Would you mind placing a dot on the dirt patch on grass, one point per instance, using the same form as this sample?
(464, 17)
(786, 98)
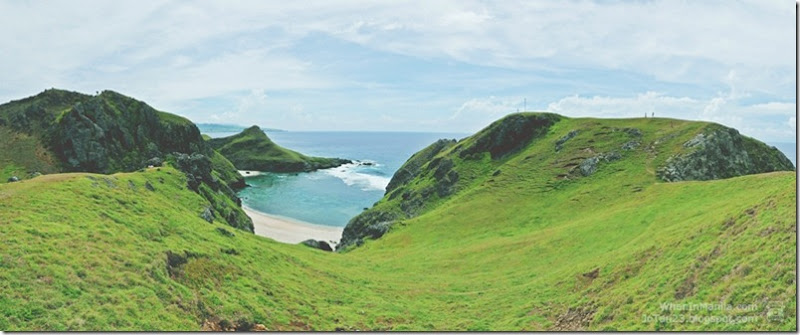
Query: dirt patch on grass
(574, 319)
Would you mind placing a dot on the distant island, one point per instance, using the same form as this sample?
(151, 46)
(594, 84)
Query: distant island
(229, 128)
(253, 150)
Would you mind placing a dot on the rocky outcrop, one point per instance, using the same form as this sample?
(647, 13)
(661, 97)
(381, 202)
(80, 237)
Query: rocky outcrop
(408, 202)
(200, 178)
(560, 142)
(588, 166)
(434, 174)
(110, 132)
(372, 223)
(411, 168)
(721, 152)
(509, 134)
(321, 245)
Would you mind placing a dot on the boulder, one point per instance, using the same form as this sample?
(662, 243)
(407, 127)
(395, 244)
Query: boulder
(207, 215)
(322, 245)
(13, 179)
(630, 145)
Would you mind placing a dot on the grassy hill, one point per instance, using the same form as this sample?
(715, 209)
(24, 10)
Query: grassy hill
(550, 153)
(534, 230)
(253, 150)
(63, 131)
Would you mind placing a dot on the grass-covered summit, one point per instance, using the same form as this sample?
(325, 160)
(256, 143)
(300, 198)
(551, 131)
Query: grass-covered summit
(63, 131)
(559, 152)
(568, 226)
(253, 150)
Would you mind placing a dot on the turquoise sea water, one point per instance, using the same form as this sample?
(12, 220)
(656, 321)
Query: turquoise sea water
(334, 196)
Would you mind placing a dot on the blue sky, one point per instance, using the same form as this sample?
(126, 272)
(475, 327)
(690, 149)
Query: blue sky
(414, 65)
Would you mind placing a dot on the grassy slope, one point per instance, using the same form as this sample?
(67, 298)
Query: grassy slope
(22, 123)
(21, 154)
(253, 150)
(507, 252)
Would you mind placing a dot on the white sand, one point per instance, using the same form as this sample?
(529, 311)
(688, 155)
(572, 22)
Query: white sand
(287, 230)
(246, 173)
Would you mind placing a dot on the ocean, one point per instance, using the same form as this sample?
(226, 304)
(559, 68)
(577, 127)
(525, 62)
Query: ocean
(333, 196)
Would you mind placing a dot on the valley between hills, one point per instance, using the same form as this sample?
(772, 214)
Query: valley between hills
(117, 216)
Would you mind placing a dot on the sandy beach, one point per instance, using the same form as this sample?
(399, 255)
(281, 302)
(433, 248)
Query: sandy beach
(291, 231)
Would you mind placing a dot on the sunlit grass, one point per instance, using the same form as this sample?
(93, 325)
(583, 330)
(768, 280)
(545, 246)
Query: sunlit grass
(507, 252)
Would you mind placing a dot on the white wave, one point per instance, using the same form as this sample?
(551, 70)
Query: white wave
(351, 177)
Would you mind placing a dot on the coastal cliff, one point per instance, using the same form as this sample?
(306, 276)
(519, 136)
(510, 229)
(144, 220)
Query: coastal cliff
(664, 150)
(544, 223)
(110, 132)
(253, 150)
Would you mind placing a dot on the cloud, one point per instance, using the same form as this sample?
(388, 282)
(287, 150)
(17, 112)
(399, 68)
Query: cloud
(409, 60)
(766, 121)
(488, 107)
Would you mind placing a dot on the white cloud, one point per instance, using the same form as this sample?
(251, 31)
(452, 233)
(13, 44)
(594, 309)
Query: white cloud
(644, 103)
(175, 54)
(490, 107)
(749, 119)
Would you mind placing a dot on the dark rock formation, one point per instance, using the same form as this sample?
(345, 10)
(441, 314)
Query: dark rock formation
(109, 133)
(435, 175)
(207, 215)
(509, 134)
(200, 178)
(411, 168)
(13, 179)
(631, 145)
(560, 142)
(321, 245)
(721, 152)
(369, 224)
(588, 166)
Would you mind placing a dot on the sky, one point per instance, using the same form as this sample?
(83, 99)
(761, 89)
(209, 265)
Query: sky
(437, 65)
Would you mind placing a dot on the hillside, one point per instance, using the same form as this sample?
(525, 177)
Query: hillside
(525, 227)
(564, 153)
(227, 128)
(253, 150)
(62, 131)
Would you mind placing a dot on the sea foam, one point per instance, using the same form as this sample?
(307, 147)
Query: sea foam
(352, 174)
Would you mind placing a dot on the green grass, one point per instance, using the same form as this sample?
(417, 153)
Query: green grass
(253, 150)
(22, 154)
(506, 252)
